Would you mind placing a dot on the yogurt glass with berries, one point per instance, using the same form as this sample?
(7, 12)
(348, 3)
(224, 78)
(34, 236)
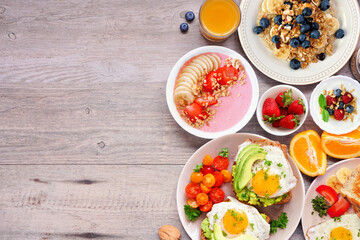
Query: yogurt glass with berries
(340, 100)
(230, 112)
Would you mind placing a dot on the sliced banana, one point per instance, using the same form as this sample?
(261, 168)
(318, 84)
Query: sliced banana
(218, 59)
(202, 64)
(192, 70)
(332, 24)
(214, 62)
(320, 42)
(185, 84)
(188, 77)
(282, 52)
(274, 5)
(333, 182)
(207, 62)
(184, 98)
(342, 174)
(264, 6)
(199, 67)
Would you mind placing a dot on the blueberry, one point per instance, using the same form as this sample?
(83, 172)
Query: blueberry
(304, 1)
(307, 11)
(275, 39)
(264, 23)
(331, 111)
(315, 26)
(300, 19)
(305, 28)
(289, 3)
(337, 92)
(305, 44)
(189, 16)
(302, 37)
(184, 27)
(258, 29)
(295, 64)
(278, 20)
(349, 108)
(324, 5)
(321, 56)
(339, 33)
(294, 42)
(341, 105)
(315, 34)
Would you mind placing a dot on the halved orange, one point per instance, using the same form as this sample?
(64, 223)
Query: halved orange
(341, 146)
(306, 151)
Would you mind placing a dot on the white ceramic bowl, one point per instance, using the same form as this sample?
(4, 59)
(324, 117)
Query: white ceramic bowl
(333, 126)
(250, 109)
(272, 93)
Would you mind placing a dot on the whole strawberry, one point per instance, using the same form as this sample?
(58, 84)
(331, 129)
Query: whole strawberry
(290, 122)
(297, 107)
(276, 124)
(284, 99)
(270, 110)
(339, 114)
(348, 97)
(283, 111)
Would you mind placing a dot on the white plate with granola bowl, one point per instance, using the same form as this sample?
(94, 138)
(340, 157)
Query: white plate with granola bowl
(328, 88)
(293, 209)
(310, 217)
(212, 91)
(317, 55)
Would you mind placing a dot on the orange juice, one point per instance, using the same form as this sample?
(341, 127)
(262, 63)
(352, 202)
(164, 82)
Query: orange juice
(219, 19)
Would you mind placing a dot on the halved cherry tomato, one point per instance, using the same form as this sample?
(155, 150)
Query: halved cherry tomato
(202, 198)
(207, 207)
(217, 195)
(227, 74)
(194, 111)
(226, 174)
(210, 81)
(192, 189)
(204, 188)
(219, 179)
(339, 208)
(209, 180)
(328, 193)
(207, 100)
(221, 163)
(192, 203)
(207, 169)
(207, 161)
(196, 177)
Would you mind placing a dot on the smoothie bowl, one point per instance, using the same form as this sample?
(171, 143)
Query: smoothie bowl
(212, 91)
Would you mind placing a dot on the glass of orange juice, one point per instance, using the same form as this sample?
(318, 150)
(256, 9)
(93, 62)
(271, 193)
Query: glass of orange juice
(219, 19)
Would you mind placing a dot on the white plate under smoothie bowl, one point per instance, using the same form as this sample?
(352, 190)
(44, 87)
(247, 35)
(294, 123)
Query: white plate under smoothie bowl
(348, 14)
(293, 208)
(233, 112)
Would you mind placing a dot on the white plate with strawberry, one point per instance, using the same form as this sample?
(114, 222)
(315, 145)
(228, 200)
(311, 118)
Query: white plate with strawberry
(282, 110)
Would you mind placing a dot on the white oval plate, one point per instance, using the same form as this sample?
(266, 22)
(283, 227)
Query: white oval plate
(349, 17)
(293, 209)
(171, 84)
(334, 126)
(308, 219)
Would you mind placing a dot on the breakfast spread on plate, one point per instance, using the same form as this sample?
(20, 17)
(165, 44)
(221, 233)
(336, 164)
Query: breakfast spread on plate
(299, 31)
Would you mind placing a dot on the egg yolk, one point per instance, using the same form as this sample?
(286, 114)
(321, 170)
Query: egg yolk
(265, 184)
(340, 233)
(235, 222)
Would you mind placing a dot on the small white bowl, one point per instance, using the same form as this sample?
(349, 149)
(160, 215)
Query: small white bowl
(272, 93)
(334, 126)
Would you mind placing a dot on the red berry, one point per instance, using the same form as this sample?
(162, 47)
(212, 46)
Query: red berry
(270, 110)
(348, 97)
(276, 124)
(339, 114)
(284, 99)
(297, 107)
(283, 112)
(330, 100)
(289, 122)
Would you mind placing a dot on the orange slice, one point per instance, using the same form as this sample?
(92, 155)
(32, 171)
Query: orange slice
(306, 151)
(341, 146)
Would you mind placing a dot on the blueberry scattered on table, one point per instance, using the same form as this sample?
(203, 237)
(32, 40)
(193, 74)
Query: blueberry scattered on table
(184, 27)
(302, 37)
(337, 92)
(189, 16)
(339, 33)
(315, 26)
(300, 19)
(315, 34)
(305, 44)
(258, 29)
(275, 39)
(295, 64)
(294, 42)
(324, 5)
(321, 56)
(278, 20)
(341, 105)
(305, 28)
(331, 111)
(264, 23)
(307, 12)
(349, 108)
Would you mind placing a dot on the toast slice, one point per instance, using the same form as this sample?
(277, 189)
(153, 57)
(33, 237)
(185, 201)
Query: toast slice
(351, 189)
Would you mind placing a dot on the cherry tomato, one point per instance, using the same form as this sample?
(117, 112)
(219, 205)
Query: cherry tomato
(207, 207)
(227, 74)
(227, 175)
(204, 188)
(202, 198)
(207, 169)
(209, 180)
(219, 179)
(207, 161)
(217, 195)
(192, 203)
(192, 189)
(221, 163)
(196, 177)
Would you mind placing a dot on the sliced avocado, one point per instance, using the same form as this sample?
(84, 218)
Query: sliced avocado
(240, 161)
(219, 235)
(245, 173)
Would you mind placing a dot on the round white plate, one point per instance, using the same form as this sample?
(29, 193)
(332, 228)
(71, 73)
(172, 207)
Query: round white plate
(334, 126)
(171, 84)
(293, 209)
(308, 219)
(349, 17)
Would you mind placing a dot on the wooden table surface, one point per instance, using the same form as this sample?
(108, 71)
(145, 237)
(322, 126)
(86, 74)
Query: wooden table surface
(88, 148)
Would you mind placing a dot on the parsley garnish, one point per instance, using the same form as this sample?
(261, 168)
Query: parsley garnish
(359, 233)
(279, 165)
(192, 213)
(224, 152)
(267, 163)
(280, 223)
(252, 226)
(320, 206)
(197, 168)
(216, 217)
(224, 233)
(337, 219)
(266, 176)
